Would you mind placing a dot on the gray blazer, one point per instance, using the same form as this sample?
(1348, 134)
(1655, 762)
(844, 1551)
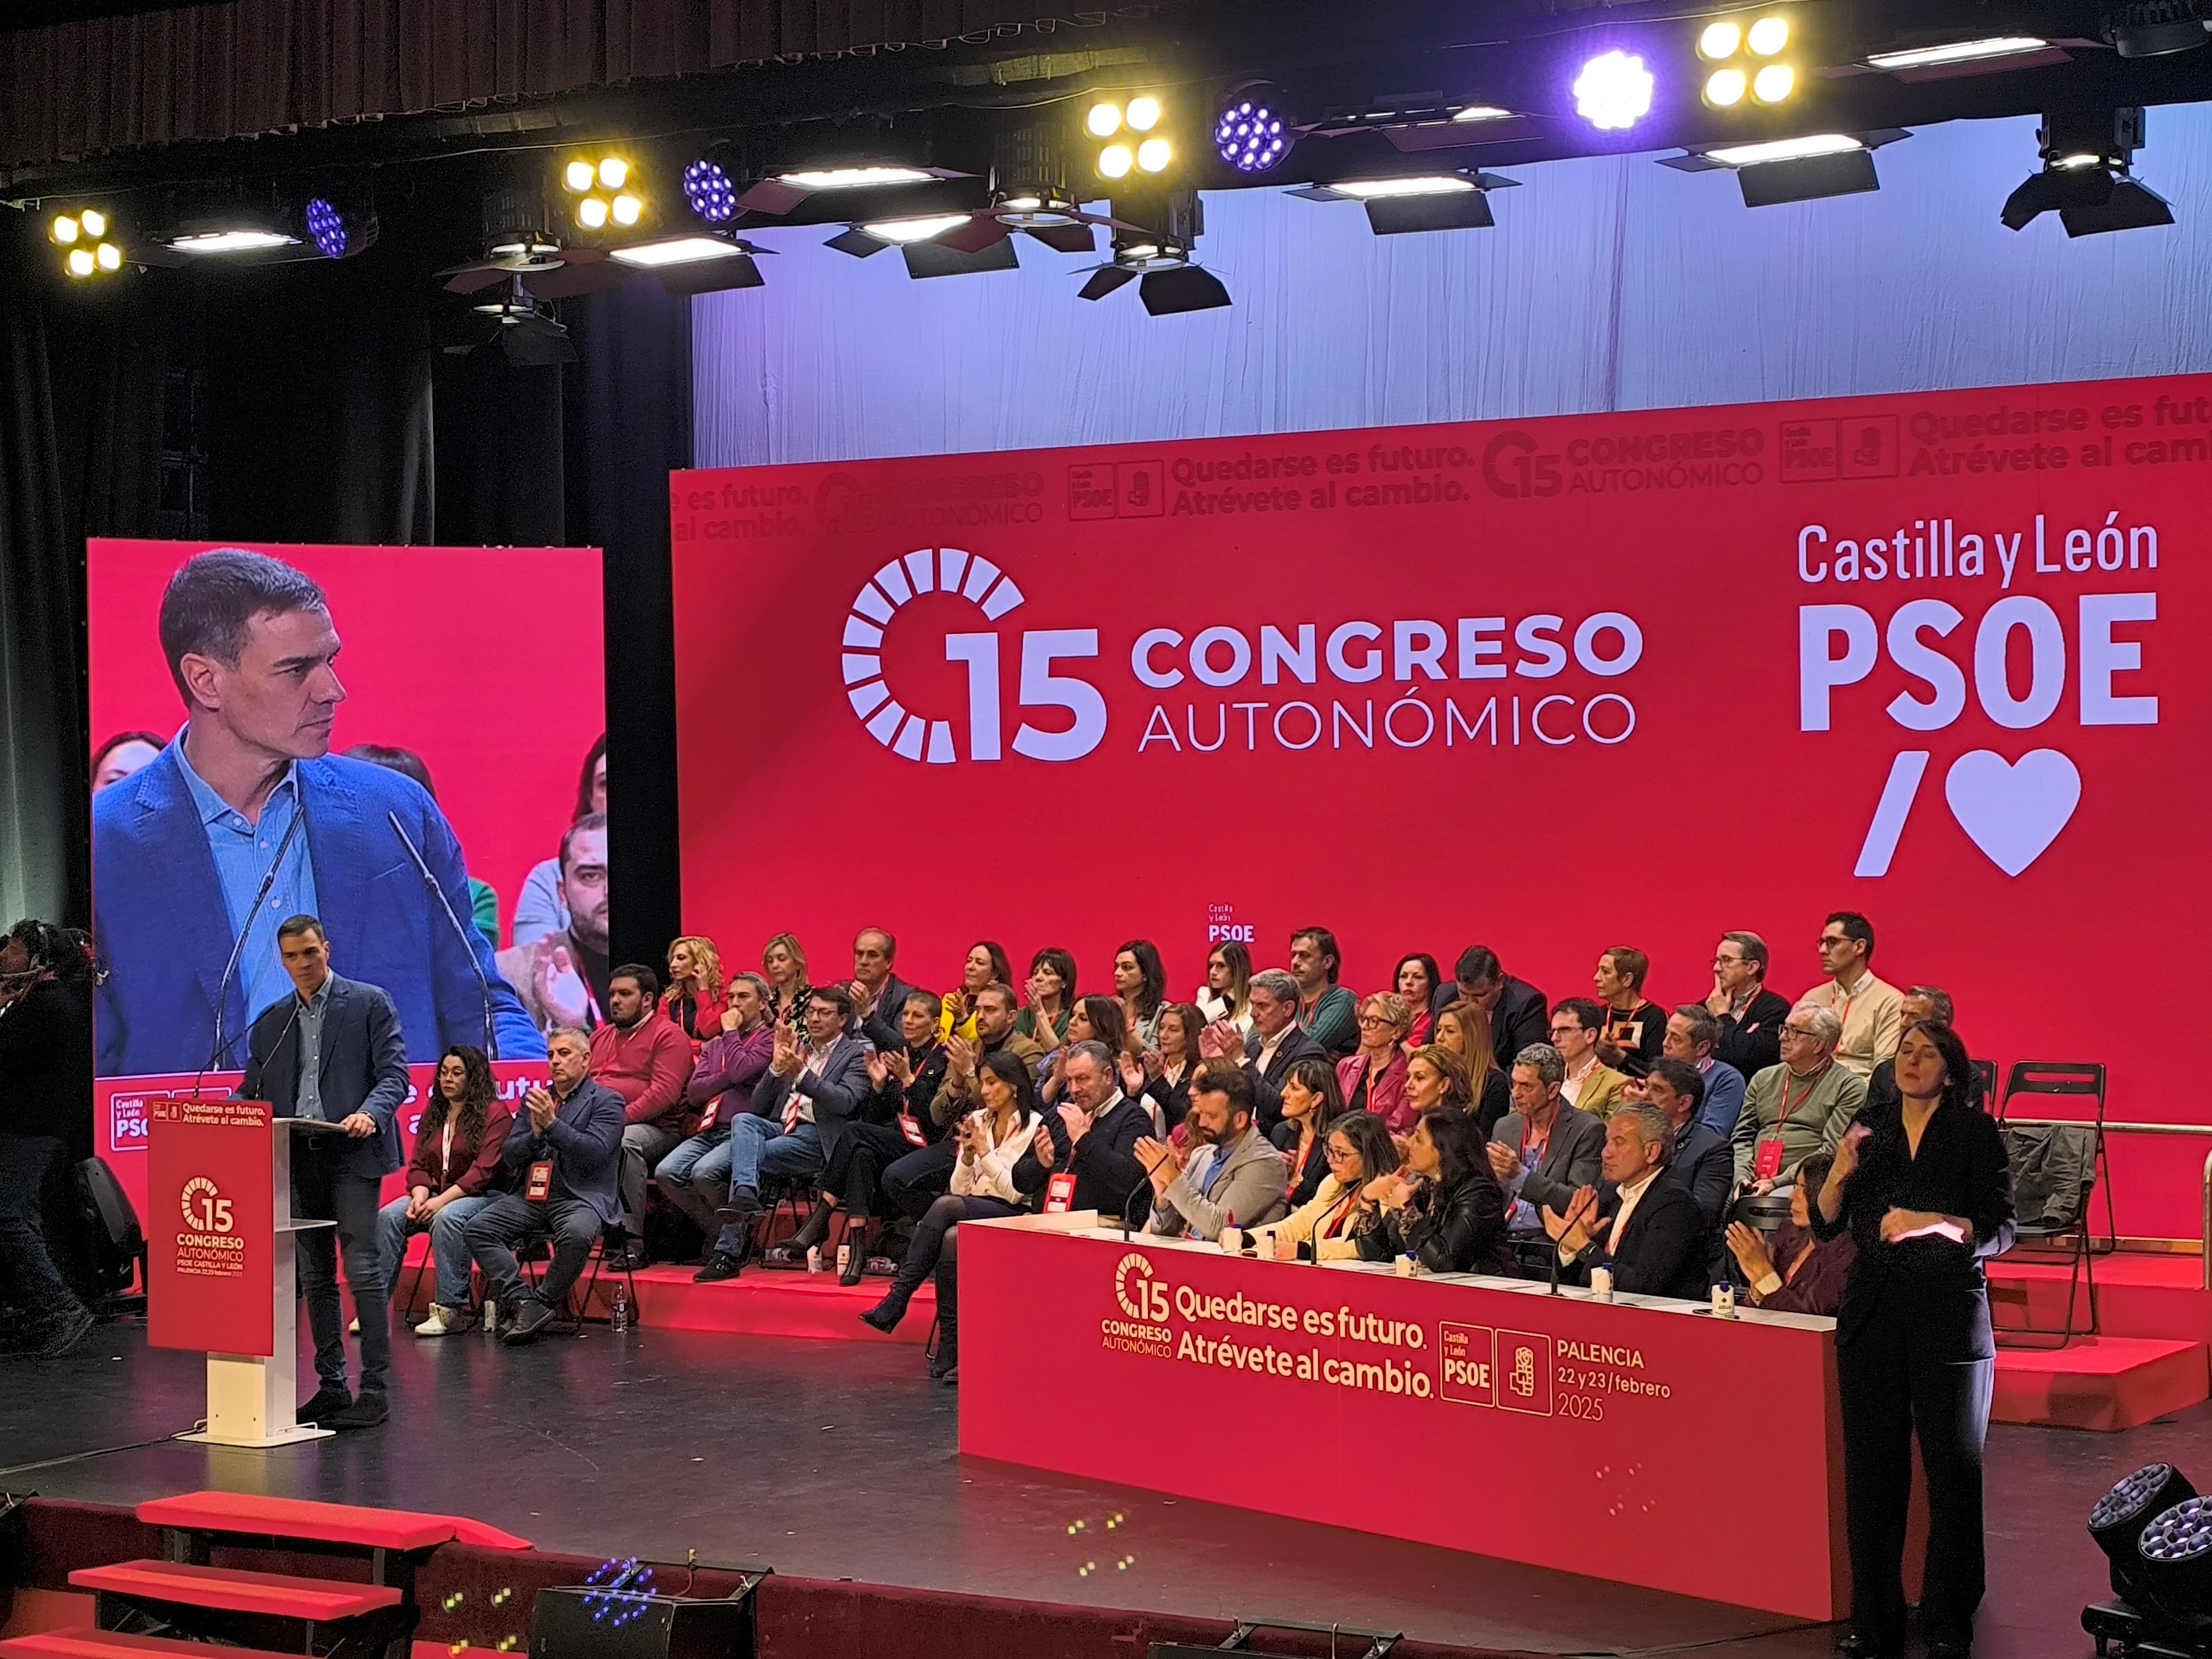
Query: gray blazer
(1254, 1188)
(1570, 1161)
(838, 1090)
(364, 1068)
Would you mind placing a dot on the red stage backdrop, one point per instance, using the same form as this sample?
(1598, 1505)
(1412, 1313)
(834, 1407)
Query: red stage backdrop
(1550, 685)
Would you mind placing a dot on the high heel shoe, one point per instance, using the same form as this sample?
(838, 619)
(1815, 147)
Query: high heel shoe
(886, 1314)
(854, 1244)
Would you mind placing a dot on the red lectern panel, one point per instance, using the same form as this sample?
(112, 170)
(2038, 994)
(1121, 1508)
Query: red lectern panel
(210, 1226)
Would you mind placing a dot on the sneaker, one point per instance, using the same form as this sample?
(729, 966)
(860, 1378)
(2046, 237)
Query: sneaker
(327, 1402)
(742, 1204)
(366, 1412)
(64, 1332)
(522, 1322)
(724, 1266)
(444, 1320)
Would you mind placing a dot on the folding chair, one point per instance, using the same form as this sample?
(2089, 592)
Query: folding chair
(2080, 1079)
(2044, 1165)
(1985, 1074)
(612, 1236)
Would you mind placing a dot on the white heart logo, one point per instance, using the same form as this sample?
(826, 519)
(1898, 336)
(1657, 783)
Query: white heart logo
(2012, 811)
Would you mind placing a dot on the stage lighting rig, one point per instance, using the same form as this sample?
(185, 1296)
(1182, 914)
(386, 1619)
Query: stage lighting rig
(1132, 136)
(340, 221)
(84, 238)
(1808, 168)
(605, 192)
(1945, 59)
(1401, 203)
(2086, 178)
(2157, 29)
(1169, 279)
(1748, 55)
(868, 178)
(1614, 91)
(1252, 132)
(697, 261)
(709, 191)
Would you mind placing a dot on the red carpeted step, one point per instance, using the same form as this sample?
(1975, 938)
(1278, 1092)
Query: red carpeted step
(296, 1517)
(2103, 1382)
(228, 1590)
(767, 1302)
(2138, 1294)
(89, 1643)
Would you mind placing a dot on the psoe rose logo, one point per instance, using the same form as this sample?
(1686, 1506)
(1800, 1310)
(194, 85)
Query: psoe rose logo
(206, 1210)
(1141, 1296)
(929, 738)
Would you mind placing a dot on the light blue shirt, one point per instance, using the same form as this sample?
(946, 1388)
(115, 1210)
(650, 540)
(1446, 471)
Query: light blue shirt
(242, 852)
(309, 1100)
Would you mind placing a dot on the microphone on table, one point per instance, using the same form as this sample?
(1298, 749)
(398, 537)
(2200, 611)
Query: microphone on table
(468, 942)
(238, 946)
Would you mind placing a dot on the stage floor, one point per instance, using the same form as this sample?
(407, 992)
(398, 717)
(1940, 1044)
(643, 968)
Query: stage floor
(838, 1460)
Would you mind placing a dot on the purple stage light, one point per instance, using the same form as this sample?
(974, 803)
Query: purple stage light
(1251, 136)
(326, 228)
(709, 191)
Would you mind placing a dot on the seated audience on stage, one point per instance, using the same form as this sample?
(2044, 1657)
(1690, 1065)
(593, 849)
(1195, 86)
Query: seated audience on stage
(1796, 1109)
(1169, 1067)
(1444, 1208)
(1793, 1272)
(561, 1156)
(1692, 1032)
(1519, 1017)
(1436, 1081)
(1051, 993)
(879, 995)
(1102, 1126)
(1275, 1045)
(1921, 1003)
(562, 974)
(459, 1145)
(1870, 1008)
(1222, 997)
(1543, 1149)
(541, 908)
(1644, 1227)
(1372, 1078)
(695, 1176)
(1748, 1015)
(484, 901)
(1464, 1029)
(1140, 986)
(1360, 1151)
(925, 1175)
(642, 1055)
(1592, 1085)
(1311, 1101)
(1634, 1027)
(895, 1120)
(986, 963)
(1093, 1019)
(1326, 1011)
(694, 997)
(813, 1081)
(988, 1143)
(783, 964)
(1700, 1161)
(1235, 1179)
(1418, 979)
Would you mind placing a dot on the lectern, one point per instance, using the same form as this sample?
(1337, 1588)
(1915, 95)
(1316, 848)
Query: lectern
(222, 1273)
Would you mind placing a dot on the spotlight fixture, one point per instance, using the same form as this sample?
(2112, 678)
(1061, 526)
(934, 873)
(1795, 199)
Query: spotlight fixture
(1409, 203)
(604, 193)
(1252, 134)
(2157, 29)
(340, 223)
(781, 193)
(1614, 91)
(2123, 1517)
(1808, 168)
(2085, 178)
(900, 232)
(241, 240)
(1136, 144)
(83, 236)
(1950, 57)
(709, 193)
(1472, 113)
(1170, 280)
(1744, 53)
(697, 261)
(921, 244)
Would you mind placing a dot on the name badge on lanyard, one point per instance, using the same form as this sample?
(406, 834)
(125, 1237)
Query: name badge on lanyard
(912, 1130)
(540, 1185)
(1768, 1162)
(1060, 1193)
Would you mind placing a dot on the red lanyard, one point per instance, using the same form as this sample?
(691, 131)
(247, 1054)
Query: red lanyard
(1811, 1087)
(1334, 1220)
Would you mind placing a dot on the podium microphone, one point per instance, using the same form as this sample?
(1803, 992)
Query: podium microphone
(238, 948)
(468, 943)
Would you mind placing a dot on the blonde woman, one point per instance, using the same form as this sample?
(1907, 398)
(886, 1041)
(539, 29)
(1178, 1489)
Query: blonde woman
(694, 997)
(783, 960)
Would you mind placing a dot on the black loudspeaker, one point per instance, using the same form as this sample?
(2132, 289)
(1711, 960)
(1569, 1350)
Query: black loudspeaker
(615, 1614)
(115, 1246)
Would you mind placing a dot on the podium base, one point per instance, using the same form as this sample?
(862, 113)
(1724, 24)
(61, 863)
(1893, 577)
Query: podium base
(290, 1437)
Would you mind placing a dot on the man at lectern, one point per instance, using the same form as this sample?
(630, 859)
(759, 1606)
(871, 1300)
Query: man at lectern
(333, 1051)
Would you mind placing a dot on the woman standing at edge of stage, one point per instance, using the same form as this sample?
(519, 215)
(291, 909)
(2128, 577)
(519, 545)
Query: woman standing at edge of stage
(1925, 1190)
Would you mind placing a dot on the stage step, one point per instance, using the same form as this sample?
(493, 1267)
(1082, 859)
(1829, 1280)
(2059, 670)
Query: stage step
(89, 1644)
(2141, 1295)
(772, 1302)
(253, 1516)
(2101, 1382)
(228, 1590)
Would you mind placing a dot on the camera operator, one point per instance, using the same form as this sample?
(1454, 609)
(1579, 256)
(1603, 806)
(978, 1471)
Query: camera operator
(45, 1079)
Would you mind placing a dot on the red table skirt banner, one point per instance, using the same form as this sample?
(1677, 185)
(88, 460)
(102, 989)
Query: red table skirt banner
(210, 1221)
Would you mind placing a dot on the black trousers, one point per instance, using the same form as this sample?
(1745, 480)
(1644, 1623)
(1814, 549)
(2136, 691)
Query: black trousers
(856, 1171)
(922, 1177)
(1901, 1376)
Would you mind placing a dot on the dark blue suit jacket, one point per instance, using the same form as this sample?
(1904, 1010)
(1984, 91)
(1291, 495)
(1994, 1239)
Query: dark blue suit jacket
(364, 1068)
(585, 1143)
(160, 924)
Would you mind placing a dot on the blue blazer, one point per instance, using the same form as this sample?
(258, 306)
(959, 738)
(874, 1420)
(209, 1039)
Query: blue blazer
(839, 1092)
(364, 1068)
(585, 1143)
(159, 922)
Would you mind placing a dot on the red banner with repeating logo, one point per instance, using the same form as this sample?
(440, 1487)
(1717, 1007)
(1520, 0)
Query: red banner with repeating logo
(1547, 685)
(210, 1225)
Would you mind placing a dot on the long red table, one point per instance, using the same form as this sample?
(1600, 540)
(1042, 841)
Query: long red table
(1642, 1441)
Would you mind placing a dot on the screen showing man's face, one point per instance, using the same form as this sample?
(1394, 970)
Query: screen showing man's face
(584, 886)
(283, 696)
